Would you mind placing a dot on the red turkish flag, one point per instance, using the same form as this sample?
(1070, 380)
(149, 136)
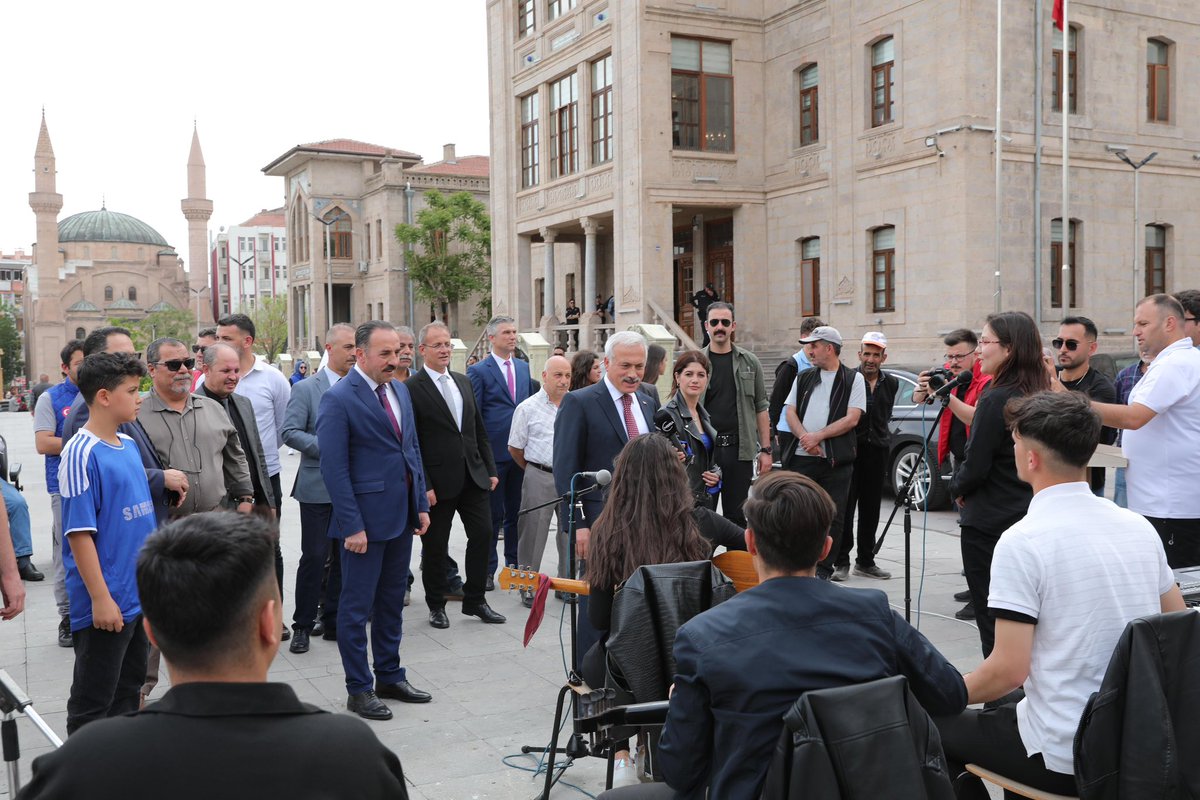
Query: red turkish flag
(1057, 14)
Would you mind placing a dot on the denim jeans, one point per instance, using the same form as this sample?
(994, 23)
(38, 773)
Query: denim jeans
(18, 520)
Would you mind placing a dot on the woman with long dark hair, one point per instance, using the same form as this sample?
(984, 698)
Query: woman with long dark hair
(692, 425)
(986, 483)
(585, 369)
(648, 518)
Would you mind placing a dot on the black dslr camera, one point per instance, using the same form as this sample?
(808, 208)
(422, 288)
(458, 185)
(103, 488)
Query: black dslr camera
(939, 377)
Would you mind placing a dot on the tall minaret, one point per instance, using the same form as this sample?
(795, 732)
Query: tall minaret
(197, 209)
(47, 334)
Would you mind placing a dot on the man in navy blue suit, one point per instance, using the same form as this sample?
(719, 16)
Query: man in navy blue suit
(371, 465)
(500, 382)
(726, 710)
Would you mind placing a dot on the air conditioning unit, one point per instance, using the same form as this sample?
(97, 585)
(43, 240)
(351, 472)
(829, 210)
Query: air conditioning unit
(362, 268)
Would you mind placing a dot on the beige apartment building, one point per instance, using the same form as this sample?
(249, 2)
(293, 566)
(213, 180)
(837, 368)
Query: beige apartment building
(356, 193)
(836, 157)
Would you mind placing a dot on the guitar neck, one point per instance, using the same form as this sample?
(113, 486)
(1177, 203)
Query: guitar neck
(570, 585)
(528, 581)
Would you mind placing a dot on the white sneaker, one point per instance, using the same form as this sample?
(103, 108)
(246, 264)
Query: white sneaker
(625, 773)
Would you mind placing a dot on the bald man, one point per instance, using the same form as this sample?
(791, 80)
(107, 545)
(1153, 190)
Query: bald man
(531, 443)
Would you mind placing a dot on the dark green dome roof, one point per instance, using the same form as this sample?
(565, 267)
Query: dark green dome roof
(108, 226)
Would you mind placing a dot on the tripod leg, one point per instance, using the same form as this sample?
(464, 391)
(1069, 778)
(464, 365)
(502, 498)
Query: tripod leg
(12, 752)
(558, 712)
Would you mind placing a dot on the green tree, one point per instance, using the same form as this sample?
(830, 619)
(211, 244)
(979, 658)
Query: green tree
(451, 259)
(271, 327)
(10, 342)
(176, 323)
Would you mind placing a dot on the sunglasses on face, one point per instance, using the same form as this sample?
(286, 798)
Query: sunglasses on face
(175, 363)
(720, 323)
(1071, 344)
(199, 349)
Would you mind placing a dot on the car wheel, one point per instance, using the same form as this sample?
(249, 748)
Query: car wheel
(927, 495)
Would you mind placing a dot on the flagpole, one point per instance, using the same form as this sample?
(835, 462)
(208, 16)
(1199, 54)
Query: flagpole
(999, 139)
(1065, 74)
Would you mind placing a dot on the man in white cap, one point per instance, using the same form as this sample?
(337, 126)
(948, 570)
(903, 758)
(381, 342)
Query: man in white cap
(823, 410)
(870, 464)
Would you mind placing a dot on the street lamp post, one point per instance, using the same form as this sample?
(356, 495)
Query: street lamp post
(1119, 152)
(328, 266)
(241, 277)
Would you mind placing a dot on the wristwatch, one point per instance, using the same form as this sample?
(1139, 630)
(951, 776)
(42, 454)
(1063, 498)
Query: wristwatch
(765, 450)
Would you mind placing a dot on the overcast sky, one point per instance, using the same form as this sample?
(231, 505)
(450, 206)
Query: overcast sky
(126, 79)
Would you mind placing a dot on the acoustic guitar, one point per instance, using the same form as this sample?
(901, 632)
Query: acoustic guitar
(528, 580)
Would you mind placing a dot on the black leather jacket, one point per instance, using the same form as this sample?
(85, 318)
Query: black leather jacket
(689, 434)
(1138, 735)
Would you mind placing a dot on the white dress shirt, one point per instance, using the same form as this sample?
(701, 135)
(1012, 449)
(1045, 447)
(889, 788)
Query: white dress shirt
(436, 377)
(389, 392)
(635, 406)
(331, 376)
(268, 391)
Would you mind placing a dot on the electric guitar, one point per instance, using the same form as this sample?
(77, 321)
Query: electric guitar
(526, 579)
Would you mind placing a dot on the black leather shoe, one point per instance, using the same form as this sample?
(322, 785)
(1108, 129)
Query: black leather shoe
(490, 586)
(527, 599)
(368, 706)
(330, 633)
(28, 571)
(285, 634)
(963, 596)
(299, 641)
(403, 691)
(966, 612)
(318, 628)
(485, 613)
(438, 619)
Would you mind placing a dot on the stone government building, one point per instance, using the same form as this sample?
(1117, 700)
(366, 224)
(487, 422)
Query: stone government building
(101, 264)
(836, 158)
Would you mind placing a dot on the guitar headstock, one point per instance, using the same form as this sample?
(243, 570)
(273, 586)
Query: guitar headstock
(523, 578)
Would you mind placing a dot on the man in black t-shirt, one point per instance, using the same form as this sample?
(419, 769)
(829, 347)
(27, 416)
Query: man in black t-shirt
(1075, 346)
(736, 401)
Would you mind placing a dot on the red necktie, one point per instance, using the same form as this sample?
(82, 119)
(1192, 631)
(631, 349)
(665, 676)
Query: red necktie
(381, 390)
(631, 428)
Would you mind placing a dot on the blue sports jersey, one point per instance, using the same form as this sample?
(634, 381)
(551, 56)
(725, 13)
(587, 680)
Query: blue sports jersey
(104, 491)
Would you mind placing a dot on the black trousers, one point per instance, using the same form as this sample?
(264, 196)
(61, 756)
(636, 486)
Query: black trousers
(866, 492)
(473, 508)
(110, 669)
(977, 546)
(835, 481)
(316, 549)
(277, 490)
(1181, 540)
(989, 738)
(735, 482)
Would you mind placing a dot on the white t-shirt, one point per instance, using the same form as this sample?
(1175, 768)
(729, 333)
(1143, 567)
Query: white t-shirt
(1083, 568)
(1164, 455)
(816, 414)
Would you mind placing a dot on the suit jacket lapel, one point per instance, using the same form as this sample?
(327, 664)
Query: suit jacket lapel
(371, 400)
(609, 409)
(435, 394)
(498, 375)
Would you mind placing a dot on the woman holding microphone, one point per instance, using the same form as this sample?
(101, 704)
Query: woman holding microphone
(985, 484)
(692, 427)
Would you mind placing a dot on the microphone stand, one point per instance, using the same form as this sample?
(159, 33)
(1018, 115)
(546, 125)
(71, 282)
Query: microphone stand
(577, 746)
(904, 498)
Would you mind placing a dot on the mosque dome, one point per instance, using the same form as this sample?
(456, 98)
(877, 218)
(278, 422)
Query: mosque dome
(108, 226)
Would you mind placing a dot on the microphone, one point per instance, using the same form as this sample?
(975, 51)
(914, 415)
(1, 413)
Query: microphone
(962, 379)
(601, 476)
(664, 423)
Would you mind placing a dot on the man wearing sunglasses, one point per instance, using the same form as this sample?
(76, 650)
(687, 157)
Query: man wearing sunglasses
(203, 339)
(1074, 347)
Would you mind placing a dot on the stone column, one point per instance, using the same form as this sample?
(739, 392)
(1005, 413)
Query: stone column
(590, 229)
(523, 291)
(548, 236)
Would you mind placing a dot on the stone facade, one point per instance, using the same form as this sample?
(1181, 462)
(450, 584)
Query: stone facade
(250, 260)
(363, 191)
(915, 192)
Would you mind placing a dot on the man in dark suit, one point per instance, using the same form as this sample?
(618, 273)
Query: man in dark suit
(726, 711)
(501, 381)
(459, 473)
(210, 600)
(595, 422)
(300, 432)
(371, 465)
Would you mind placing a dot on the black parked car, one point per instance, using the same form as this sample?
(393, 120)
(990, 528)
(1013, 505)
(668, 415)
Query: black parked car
(909, 425)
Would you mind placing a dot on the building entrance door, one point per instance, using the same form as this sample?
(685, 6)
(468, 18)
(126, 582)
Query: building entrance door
(685, 313)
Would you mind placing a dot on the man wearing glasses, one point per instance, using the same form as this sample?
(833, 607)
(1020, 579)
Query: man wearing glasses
(1190, 300)
(203, 339)
(736, 400)
(1075, 346)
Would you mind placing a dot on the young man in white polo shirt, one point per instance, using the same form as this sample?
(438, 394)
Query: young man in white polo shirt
(1066, 580)
(1162, 429)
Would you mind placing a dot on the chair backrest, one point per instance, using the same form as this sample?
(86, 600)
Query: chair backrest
(859, 742)
(738, 566)
(647, 612)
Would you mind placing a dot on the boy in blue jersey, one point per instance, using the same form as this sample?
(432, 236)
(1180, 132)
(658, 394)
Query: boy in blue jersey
(107, 515)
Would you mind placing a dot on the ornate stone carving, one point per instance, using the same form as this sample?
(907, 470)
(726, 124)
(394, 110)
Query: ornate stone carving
(881, 146)
(845, 287)
(529, 204)
(807, 164)
(701, 167)
(600, 182)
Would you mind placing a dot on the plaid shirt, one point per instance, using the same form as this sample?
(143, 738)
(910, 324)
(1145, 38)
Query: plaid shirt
(1126, 380)
(533, 428)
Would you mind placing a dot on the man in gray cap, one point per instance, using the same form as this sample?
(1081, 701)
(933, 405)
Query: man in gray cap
(823, 409)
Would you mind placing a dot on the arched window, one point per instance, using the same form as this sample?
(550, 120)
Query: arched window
(133, 293)
(810, 276)
(883, 269)
(809, 81)
(339, 233)
(108, 294)
(883, 81)
(1158, 80)
(1156, 259)
(1057, 262)
(1072, 69)
(80, 333)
